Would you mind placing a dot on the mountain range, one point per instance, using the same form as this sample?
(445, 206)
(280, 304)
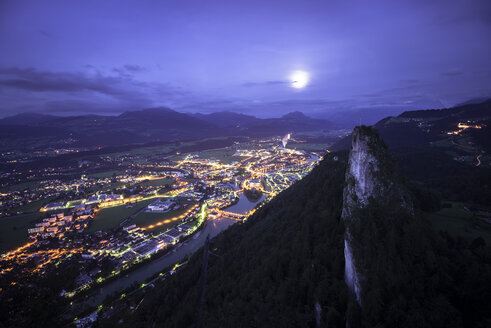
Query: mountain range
(30, 130)
(421, 128)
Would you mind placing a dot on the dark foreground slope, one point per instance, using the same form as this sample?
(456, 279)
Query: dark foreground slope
(284, 267)
(410, 276)
(270, 271)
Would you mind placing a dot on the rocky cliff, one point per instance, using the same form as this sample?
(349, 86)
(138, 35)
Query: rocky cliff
(285, 266)
(370, 181)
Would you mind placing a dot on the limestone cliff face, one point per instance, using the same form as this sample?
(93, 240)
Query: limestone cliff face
(351, 276)
(370, 180)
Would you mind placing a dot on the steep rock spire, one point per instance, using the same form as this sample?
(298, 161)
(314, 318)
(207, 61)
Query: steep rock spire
(370, 180)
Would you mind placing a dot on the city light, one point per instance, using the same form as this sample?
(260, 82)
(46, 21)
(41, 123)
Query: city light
(202, 189)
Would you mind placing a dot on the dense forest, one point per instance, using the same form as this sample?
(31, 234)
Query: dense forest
(270, 270)
(284, 267)
(411, 276)
(452, 180)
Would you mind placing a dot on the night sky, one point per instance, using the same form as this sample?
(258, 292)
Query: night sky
(106, 57)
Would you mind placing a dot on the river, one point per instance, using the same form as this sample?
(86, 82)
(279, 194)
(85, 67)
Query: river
(312, 158)
(180, 251)
(244, 205)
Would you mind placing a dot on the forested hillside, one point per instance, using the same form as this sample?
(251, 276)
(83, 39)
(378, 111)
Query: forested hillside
(284, 267)
(409, 275)
(271, 270)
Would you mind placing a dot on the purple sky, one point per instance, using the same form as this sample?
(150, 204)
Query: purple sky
(106, 57)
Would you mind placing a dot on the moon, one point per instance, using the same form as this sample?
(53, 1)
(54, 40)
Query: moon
(299, 79)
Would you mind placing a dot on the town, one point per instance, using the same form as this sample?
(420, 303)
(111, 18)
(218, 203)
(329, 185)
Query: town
(101, 226)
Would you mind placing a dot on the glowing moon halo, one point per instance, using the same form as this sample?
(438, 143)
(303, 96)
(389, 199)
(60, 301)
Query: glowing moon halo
(299, 79)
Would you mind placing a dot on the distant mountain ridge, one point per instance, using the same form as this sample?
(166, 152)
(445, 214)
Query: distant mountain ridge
(466, 110)
(422, 127)
(147, 125)
(296, 115)
(26, 119)
(474, 101)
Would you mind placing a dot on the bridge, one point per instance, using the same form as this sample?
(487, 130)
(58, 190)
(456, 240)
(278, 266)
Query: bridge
(232, 215)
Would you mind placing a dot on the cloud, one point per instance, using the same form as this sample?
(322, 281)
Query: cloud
(87, 107)
(41, 81)
(134, 68)
(128, 70)
(30, 79)
(266, 83)
(78, 92)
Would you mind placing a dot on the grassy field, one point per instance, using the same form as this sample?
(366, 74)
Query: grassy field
(156, 182)
(143, 154)
(460, 222)
(21, 186)
(109, 218)
(13, 230)
(32, 206)
(459, 146)
(223, 155)
(151, 151)
(104, 174)
(309, 146)
(147, 151)
(146, 219)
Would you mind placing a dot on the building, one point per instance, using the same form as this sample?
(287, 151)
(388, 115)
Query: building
(160, 206)
(174, 233)
(54, 206)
